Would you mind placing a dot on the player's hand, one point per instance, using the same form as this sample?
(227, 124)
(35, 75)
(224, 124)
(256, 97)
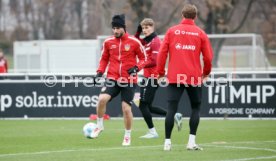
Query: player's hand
(205, 78)
(99, 75)
(139, 29)
(161, 79)
(133, 70)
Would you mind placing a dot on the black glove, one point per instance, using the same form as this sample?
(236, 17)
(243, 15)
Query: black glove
(98, 75)
(133, 70)
(139, 29)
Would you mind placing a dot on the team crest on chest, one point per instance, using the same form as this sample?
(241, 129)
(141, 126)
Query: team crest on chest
(127, 47)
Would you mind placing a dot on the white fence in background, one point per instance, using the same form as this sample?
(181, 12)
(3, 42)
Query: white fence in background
(237, 52)
(55, 56)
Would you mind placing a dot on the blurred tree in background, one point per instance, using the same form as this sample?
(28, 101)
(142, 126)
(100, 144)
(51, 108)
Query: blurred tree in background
(223, 16)
(23, 20)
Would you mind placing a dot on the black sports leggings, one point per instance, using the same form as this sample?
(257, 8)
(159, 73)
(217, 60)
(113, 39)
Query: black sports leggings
(147, 94)
(174, 95)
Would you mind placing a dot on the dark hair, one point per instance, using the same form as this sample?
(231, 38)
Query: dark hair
(189, 11)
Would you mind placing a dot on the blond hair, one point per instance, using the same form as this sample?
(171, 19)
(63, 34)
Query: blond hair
(147, 22)
(189, 11)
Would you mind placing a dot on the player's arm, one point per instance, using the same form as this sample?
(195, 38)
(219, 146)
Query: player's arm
(6, 65)
(142, 56)
(162, 56)
(207, 53)
(104, 59)
(152, 57)
(138, 33)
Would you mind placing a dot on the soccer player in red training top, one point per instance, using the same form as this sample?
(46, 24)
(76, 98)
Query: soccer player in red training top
(185, 42)
(120, 54)
(3, 63)
(149, 84)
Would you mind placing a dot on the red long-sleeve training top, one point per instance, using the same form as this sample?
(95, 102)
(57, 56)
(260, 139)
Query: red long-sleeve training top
(120, 54)
(185, 42)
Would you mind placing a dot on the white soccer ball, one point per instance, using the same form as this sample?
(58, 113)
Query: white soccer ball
(88, 129)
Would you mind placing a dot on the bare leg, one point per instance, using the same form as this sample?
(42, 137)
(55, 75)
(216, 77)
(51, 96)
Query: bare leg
(126, 108)
(101, 107)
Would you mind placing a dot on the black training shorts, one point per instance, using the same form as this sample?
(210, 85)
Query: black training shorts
(113, 88)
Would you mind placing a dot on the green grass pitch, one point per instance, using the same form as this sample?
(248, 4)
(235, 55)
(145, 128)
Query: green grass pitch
(62, 140)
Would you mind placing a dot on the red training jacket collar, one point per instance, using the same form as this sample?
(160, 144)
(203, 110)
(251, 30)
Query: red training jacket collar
(188, 21)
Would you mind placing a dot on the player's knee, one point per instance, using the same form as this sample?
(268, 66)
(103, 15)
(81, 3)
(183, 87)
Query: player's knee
(126, 108)
(196, 104)
(103, 99)
(173, 103)
(127, 112)
(151, 108)
(172, 108)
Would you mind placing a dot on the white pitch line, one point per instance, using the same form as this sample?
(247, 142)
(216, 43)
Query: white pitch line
(256, 158)
(243, 142)
(241, 147)
(250, 148)
(138, 147)
(78, 150)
